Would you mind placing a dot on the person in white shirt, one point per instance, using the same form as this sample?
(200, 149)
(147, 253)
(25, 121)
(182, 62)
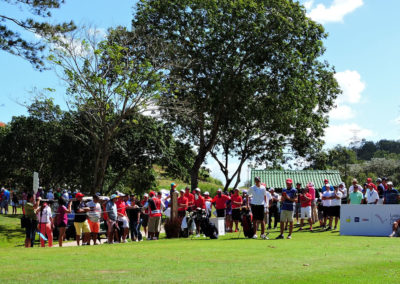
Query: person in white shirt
(355, 184)
(267, 205)
(46, 225)
(94, 216)
(65, 195)
(336, 202)
(371, 196)
(258, 195)
(327, 204)
(343, 190)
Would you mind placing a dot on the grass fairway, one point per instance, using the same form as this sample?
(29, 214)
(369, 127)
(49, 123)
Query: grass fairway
(323, 257)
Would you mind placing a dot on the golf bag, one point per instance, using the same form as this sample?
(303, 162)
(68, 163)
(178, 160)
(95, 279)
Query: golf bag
(206, 227)
(188, 225)
(247, 224)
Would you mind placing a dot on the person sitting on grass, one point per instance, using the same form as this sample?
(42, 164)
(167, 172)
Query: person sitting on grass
(289, 196)
(396, 229)
(61, 219)
(305, 212)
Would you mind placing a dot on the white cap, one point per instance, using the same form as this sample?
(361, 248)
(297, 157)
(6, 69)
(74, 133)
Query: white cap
(146, 195)
(244, 190)
(206, 193)
(219, 190)
(197, 189)
(272, 189)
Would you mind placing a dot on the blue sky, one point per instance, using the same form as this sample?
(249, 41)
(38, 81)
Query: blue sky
(363, 45)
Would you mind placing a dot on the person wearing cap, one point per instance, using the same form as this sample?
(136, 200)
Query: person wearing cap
(274, 208)
(156, 206)
(380, 189)
(355, 196)
(80, 222)
(326, 183)
(371, 195)
(50, 195)
(354, 185)
(94, 216)
(112, 216)
(289, 196)
(122, 218)
(145, 213)
(190, 198)
(391, 195)
(305, 211)
(327, 197)
(219, 202)
(200, 204)
(237, 202)
(343, 190)
(258, 195)
(208, 202)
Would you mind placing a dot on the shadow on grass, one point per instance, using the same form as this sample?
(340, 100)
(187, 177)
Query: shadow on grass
(17, 216)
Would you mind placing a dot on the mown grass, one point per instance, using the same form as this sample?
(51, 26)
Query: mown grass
(320, 257)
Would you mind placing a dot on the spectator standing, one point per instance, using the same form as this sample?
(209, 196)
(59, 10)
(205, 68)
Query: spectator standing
(57, 194)
(190, 198)
(122, 218)
(384, 182)
(305, 203)
(24, 198)
(65, 195)
(156, 207)
(336, 205)
(258, 194)
(112, 216)
(14, 202)
(273, 209)
(371, 196)
(208, 201)
(145, 213)
(61, 219)
(355, 197)
(183, 204)
(298, 203)
(343, 190)
(46, 224)
(94, 216)
(327, 197)
(237, 202)
(50, 195)
(5, 201)
(80, 222)
(289, 195)
(200, 204)
(31, 225)
(391, 195)
(220, 203)
(380, 189)
(134, 211)
(312, 192)
(354, 185)
(325, 187)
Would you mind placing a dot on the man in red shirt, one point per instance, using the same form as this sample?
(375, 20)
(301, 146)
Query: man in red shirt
(305, 202)
(182, 205)
(190, 198)
(220, 203)
(121, 211)
(237, 202)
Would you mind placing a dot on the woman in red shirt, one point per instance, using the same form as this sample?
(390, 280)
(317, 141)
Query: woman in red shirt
(220, 203)
(183, 204)
(237, 202)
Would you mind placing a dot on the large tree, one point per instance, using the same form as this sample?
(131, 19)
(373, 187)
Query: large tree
(109, 82)
(11, 26)
(222, 56)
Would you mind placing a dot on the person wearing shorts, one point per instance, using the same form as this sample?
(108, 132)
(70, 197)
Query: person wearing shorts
(94, 216)
(156, 207)
(289, 196)
(122, 218)
(31, 208)
(80, 222)
(145, 213)
(237, 201)
(62, 219)
(336, 202)
(220, 203)
(305, 210)
(258, 195)
(327, 197)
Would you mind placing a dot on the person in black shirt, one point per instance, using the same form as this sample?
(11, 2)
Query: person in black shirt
(80, 222)
(133, 212)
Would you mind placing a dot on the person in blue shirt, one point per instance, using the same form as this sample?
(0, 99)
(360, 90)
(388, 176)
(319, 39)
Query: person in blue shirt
(5, 201)
(391, 195)
(289, 196)
(323, 189)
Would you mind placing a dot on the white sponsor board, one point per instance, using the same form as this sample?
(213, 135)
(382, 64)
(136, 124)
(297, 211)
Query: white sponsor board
(368, 220)
(220, 224)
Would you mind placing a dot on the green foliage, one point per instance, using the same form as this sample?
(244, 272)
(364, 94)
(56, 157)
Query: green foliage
(229, 63)
(13, 42)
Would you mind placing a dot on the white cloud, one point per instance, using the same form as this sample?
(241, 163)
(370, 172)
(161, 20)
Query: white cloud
(342, 112)
(351, 85)
(396, 120)
(345, 133)
(334, 13)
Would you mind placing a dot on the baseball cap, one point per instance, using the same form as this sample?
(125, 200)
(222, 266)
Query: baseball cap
(236, 189)
(289, 180)
(106, 198)
(113, 196)
(152, 193)
(173, 185)
(326, 181)
(244, 190)
(145, 195)
(384, 178)
(198, 189)
(79, 194)
(182, 190)
(271, 189)
(378, 180)
(390, 183)
(206, 193)
(219, 190)
(257, 178)
(121, 194)
(369, 180)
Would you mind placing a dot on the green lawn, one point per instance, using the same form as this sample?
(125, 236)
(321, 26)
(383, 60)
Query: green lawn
(320, 257)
